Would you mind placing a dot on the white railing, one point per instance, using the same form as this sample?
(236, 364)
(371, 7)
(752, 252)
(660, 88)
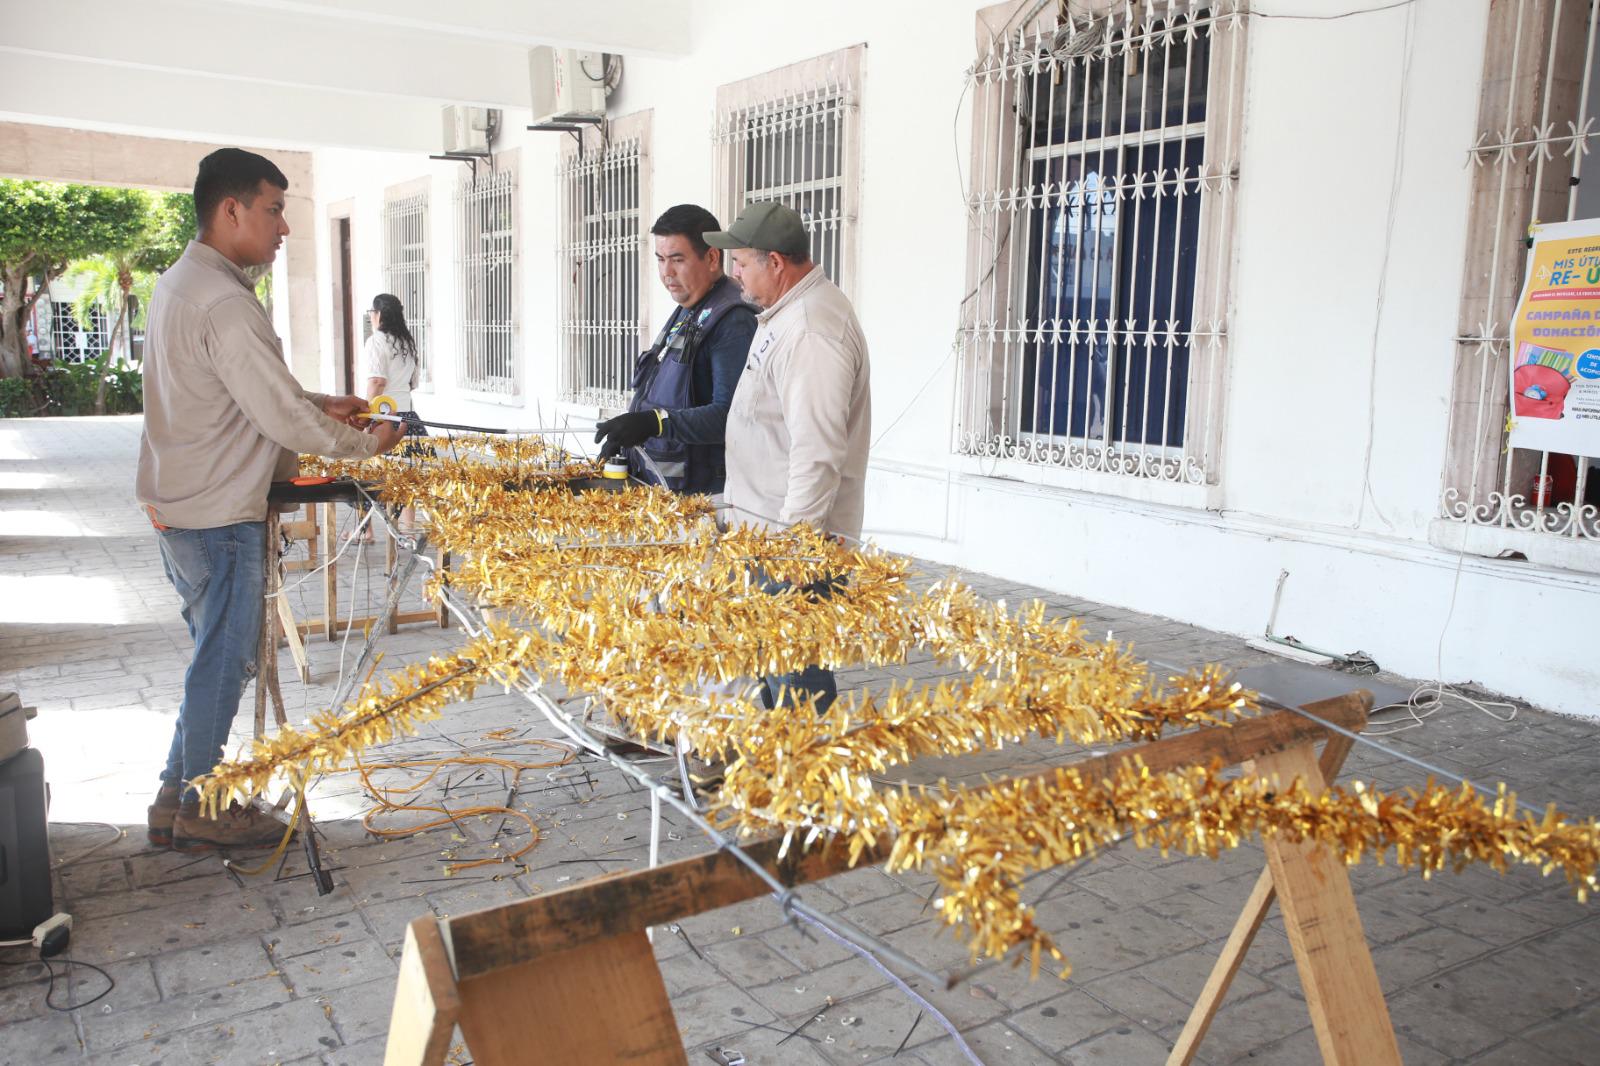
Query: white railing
(405, 267)
(1528, 157)
(794, 147)
(599, 258)
(1103, 173)
(486, 287)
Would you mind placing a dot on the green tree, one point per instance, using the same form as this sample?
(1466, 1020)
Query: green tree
(111, 280)
(44, 226)
(170, 227)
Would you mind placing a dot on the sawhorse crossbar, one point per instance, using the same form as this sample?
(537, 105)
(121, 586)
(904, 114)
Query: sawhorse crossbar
(525, 980)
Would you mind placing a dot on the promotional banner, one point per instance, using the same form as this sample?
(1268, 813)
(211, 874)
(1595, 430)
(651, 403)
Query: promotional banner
(1555, 343)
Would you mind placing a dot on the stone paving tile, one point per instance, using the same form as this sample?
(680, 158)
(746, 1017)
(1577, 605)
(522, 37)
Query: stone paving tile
(1567, 1040)
(1521, 1053)
(1071, 1018)
(361, 1012)
(997, 1042)
(209, 964)
(219, 965)
(336, 967)
(1124, 1044)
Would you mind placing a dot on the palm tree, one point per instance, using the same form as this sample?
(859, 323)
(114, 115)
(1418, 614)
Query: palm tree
(110, 280)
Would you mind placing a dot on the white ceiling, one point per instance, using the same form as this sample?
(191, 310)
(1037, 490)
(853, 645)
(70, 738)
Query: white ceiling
(299, 73)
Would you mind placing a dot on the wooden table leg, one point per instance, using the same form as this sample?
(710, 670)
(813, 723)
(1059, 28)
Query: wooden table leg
(330, 576)
(267, 645)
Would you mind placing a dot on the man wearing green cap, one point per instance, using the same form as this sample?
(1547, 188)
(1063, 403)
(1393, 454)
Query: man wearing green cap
(801, 419)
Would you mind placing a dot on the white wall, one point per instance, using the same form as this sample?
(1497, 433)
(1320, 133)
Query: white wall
(1353, 199)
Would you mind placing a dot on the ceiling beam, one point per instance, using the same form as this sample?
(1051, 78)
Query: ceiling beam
(284, 49)
(631, 27)
(95, 96)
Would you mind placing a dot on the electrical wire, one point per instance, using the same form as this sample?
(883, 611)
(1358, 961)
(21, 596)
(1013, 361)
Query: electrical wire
(1427, 700)
(495, 741)
(1331, 17)
(1408, 51)
(900, 983)
(50, 992)
(117, 834)
(345, 542)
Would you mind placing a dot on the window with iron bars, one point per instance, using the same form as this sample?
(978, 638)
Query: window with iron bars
(1103, 170)
(405, 267)
(486, 289)
(791, 135)
(600, 258)
(1536, 122)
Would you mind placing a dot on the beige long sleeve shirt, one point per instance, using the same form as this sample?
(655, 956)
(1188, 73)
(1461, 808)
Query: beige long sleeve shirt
(801, 421)
(223, 417)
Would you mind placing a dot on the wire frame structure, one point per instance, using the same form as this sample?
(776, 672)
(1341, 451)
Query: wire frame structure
(486, 288)
(1100, 213)
(1534, 132)
(600, 257)
(796, 146)
(405, 267)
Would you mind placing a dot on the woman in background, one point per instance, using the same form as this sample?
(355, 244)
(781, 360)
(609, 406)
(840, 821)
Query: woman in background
(393, 369)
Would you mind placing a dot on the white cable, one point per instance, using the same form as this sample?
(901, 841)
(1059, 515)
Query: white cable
(350, 621)
(1408, 49)
(1420, 706)
(117, 830)
(355, 534)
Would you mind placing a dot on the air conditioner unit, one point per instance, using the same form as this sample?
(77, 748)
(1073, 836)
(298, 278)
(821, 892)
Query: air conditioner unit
(467, 129)
(567, 84)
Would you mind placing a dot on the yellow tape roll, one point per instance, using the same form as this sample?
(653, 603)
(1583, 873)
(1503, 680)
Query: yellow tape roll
(383, 405)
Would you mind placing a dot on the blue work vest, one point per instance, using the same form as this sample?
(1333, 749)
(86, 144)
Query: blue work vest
(663, 378)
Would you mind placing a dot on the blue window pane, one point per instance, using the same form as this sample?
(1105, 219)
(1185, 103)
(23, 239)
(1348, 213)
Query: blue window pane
(1112, 268)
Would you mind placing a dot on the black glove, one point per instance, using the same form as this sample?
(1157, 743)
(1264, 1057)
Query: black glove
(626, 431)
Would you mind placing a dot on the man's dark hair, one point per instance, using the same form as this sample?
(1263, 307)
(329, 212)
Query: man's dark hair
(231, 172)
(687, 220)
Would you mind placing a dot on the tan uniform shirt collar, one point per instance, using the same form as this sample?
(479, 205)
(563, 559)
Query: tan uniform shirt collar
(217, 261)
(801, 287)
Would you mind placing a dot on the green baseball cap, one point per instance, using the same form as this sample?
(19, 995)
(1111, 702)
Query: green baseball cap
(767, 227)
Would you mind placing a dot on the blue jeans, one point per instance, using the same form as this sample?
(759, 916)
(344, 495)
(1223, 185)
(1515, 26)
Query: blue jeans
(786, 690)
(220, 576)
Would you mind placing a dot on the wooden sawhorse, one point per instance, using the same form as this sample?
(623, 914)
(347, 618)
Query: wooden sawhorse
(278, 621)
(569, 976)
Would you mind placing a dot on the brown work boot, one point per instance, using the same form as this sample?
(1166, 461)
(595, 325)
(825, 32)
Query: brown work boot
(159, 815)
(233, 827)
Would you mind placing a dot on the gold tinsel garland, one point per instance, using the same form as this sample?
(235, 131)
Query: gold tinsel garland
(638, 598)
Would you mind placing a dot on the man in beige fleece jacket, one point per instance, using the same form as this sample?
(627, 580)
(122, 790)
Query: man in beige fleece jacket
(801, 420)
(223, 419)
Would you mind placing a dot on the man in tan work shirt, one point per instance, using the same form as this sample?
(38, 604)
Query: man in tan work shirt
(800, 424)
(223, 419)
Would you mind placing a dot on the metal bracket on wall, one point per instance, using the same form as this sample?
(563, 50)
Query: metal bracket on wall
(461, 157)
(573, 125)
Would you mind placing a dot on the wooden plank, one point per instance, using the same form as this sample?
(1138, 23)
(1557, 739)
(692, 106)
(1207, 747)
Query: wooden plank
(1244, 933)
(364, 620)
(391, 556)
(441, 612)
(602, 1002)
(506, 935)
(291, 632)
(330, 576)
(1337, 976)
(425, 1001)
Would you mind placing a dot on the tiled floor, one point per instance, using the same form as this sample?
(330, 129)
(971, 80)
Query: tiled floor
(212, 966)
